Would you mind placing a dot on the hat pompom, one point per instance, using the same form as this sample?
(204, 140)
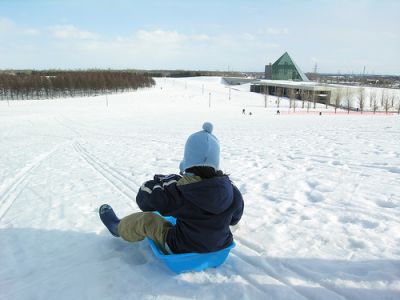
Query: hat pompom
(207, 126)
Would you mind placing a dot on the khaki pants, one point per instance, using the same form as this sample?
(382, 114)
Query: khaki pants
(137, 226)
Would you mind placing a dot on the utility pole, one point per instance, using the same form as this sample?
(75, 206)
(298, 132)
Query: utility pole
(316, 71)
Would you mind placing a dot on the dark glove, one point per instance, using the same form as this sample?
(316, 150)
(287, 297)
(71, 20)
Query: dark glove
(165, 178)
(149, 185)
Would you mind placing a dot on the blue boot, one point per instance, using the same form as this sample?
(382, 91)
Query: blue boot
(109, 219)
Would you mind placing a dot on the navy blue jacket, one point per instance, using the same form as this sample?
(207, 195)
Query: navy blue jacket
(203, 211)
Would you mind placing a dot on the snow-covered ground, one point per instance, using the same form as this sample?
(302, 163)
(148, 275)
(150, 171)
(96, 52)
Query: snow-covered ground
(322, 204)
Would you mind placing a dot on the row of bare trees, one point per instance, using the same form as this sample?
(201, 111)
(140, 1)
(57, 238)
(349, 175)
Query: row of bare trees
(345, 98)
(306, 96)
(387, 101)
(22, 86)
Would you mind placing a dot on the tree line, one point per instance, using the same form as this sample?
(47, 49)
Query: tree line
(350, 99)
(60, 84)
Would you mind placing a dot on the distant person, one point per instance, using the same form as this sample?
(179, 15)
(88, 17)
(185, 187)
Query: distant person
(278, 112)
(250, 113)
(202, 199)
(243, 111)
(320, 113)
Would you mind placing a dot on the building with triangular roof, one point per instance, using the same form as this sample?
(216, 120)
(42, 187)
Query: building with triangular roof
(284, 69)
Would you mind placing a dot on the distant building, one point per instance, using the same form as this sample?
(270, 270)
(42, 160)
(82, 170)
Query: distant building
(321, 93)
(268, 71)
(284, 69)
(284, 78)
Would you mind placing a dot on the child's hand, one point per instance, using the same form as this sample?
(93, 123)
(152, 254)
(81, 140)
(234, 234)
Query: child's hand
(159, 177)
(164, 178)
(159, 180)
(149, 185)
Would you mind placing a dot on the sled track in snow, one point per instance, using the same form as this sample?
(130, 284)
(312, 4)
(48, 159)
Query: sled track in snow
(269, 270)
(112, 176)
(303, 273)
(10, 193)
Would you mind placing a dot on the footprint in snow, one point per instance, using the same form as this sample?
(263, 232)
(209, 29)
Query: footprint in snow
(305, 218)
(336, 163)
(364, 223)
(312, 183)
(395, 170)
(315, 196)
(386, 204)
(272, 198)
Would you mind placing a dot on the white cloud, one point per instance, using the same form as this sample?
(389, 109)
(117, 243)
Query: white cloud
(72, 32)
(160, 37)
(269, 45)
(6, 25)
(274, 31)
(248, 36)
(30, 32)
(390, 35)
(10, 28)
(314, 59)
(201, 37)
(159, 48)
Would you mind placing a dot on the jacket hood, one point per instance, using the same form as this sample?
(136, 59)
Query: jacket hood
(213, 195)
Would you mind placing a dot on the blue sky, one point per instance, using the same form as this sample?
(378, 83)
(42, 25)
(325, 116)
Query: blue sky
(338, 36)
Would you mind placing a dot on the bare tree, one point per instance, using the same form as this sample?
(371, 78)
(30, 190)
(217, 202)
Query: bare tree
(361, 99)
(374, 104)
(265, 96)
(310, 96)
(292, 96)
(398, 104)
(386, 102)
(314, 98)
(372, 97)
(327, 99)
(338, 98)
(349, 100)
(392, 98)
(279, 94)
(294, 104)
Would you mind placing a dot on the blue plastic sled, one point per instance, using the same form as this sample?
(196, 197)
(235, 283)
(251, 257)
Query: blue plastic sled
(188, 262)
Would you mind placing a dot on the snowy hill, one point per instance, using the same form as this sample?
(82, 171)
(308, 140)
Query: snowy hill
(322, 204)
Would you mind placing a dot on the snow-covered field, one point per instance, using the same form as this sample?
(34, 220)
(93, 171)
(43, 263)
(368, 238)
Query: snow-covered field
(322, 204)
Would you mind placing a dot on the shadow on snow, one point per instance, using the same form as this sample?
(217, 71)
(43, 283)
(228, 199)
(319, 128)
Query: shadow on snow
(50, 264)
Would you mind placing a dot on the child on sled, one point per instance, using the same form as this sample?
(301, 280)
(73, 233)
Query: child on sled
(202, 199)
